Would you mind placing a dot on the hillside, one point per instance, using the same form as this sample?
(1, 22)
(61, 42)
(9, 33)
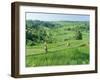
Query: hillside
(67, 43)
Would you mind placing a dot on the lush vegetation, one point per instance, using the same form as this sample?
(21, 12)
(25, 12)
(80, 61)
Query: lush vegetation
(57, 43)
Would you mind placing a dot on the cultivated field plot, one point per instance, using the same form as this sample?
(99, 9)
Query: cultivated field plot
(56, 39)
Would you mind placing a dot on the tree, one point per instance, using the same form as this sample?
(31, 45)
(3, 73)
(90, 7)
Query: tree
(43, 36)
(45, 39)
(78, 35)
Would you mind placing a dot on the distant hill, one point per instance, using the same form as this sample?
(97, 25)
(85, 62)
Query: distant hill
(53, 24)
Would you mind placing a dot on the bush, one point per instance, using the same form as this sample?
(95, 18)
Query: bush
(78, 35)
(30, 43)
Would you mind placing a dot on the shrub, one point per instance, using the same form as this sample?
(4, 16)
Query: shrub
(78, 35)
(30, 43)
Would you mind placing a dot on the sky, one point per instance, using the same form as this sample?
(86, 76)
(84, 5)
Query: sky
(56, 17)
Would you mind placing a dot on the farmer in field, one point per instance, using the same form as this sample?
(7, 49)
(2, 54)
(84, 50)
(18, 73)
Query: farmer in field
(45, 47)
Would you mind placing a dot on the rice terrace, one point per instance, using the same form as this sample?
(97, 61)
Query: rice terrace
(56, 39)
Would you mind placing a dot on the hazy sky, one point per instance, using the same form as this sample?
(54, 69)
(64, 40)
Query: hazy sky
(56, 17)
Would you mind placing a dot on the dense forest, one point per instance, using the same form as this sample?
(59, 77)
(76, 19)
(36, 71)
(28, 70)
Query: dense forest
(40, 31)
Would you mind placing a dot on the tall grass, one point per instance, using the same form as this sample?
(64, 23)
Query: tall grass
(70, 56)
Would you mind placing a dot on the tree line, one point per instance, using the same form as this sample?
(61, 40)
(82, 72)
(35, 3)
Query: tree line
(40, 31)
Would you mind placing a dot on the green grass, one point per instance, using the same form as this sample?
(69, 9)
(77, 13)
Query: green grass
(69, 56)
(58, 54)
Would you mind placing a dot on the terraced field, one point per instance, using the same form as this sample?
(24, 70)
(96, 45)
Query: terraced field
(65, 50)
